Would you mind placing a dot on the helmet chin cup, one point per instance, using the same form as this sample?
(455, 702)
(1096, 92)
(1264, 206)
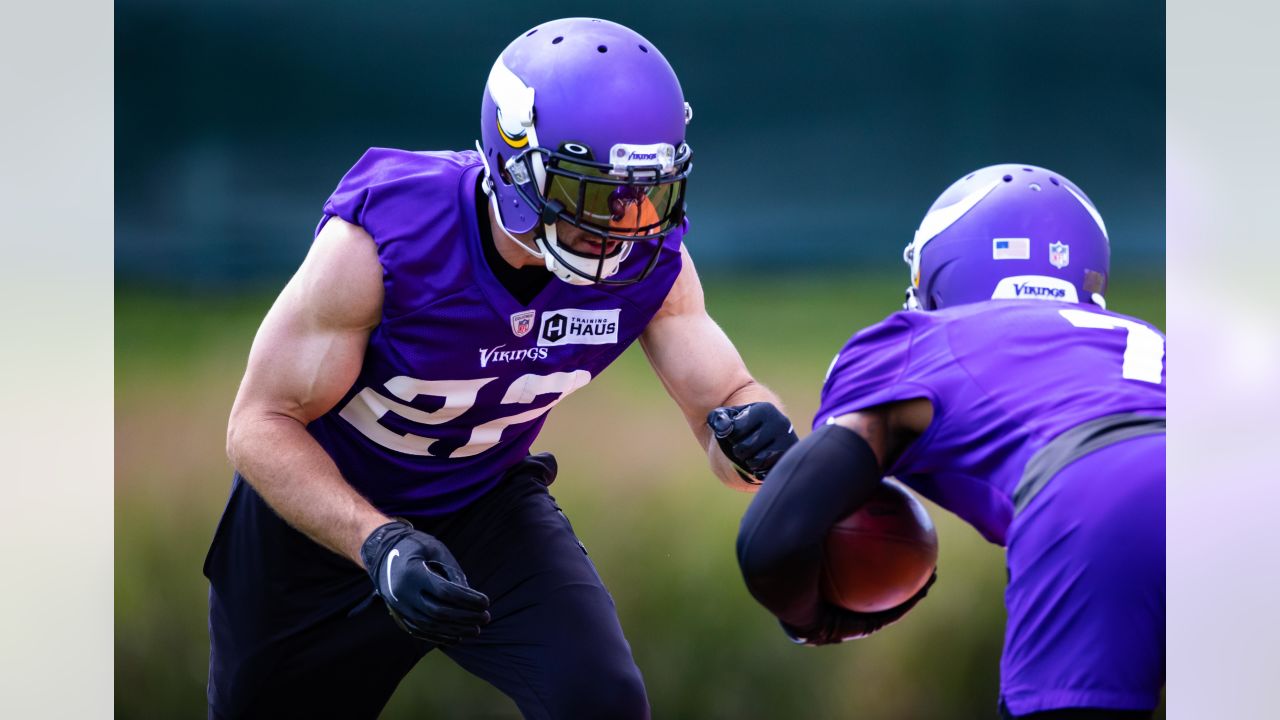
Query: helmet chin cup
(561, 272)
(571, 268)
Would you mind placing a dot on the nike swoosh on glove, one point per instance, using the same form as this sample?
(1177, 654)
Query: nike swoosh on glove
(425, 590)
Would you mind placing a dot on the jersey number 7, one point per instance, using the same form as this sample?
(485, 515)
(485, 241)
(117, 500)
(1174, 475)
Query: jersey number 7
(1143, 347)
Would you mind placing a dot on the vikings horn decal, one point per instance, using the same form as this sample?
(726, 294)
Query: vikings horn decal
(518, 140)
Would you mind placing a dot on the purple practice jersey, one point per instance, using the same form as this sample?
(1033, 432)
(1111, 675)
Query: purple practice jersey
(458, 376)
(1005, 377)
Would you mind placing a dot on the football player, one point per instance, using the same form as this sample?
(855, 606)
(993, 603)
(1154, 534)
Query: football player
(385, 501)
(1008, 394)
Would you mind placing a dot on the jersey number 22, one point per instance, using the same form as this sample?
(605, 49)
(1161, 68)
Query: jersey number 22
(368, 405)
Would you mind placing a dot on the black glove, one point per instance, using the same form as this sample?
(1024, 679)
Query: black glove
(752, 436)
(422, 585)
(835, 624)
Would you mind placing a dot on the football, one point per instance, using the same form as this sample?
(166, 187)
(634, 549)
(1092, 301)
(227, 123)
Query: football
(881, 554)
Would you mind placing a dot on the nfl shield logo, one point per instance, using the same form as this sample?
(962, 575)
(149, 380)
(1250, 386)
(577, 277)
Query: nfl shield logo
(522, 322)
(1059, 255)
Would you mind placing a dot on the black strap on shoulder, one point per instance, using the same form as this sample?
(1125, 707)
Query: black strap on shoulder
(1073, 444)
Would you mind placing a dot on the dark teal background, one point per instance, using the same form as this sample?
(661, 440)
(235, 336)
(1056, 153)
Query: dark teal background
(822, 130)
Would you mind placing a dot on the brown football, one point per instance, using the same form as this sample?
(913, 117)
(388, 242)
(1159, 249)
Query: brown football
(881, 554)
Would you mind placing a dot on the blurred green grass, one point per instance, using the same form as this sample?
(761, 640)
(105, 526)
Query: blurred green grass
(659, 527)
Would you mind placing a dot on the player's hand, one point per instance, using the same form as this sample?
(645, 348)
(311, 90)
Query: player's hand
(836, 625)
(752, 436)
(420, 581)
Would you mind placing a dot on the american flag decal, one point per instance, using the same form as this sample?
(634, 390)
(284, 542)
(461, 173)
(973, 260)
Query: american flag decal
(1011, 248)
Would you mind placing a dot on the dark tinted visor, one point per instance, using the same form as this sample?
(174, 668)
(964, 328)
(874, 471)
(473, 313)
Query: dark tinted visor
(645, 205)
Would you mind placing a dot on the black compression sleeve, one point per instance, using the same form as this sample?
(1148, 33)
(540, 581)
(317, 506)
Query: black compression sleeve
(819, 481)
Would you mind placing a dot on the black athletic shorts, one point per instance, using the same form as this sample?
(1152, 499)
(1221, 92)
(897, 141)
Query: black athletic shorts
(296, 630)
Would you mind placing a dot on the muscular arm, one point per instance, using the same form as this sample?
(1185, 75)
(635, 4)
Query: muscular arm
(307, 353)
(699, 366)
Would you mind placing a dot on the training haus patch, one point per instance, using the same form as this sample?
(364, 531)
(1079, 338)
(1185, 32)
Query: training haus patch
(578, 327)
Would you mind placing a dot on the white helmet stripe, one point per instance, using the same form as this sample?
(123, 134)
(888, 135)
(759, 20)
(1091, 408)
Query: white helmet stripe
(515, 113)
(935, 222)
(1092, 210)
(513, 98)
(942, 218)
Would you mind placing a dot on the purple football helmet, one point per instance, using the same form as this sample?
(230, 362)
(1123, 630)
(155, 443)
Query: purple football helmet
(1009, 231)
(583, 121)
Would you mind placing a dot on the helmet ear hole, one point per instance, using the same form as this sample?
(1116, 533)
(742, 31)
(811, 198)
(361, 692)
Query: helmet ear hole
(502, 170)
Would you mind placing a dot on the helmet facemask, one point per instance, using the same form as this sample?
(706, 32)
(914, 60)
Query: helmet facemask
(624, 206)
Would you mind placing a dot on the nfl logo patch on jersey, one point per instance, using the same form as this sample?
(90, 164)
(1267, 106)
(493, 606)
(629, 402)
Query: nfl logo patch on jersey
(522, 322)
(1059, 255)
